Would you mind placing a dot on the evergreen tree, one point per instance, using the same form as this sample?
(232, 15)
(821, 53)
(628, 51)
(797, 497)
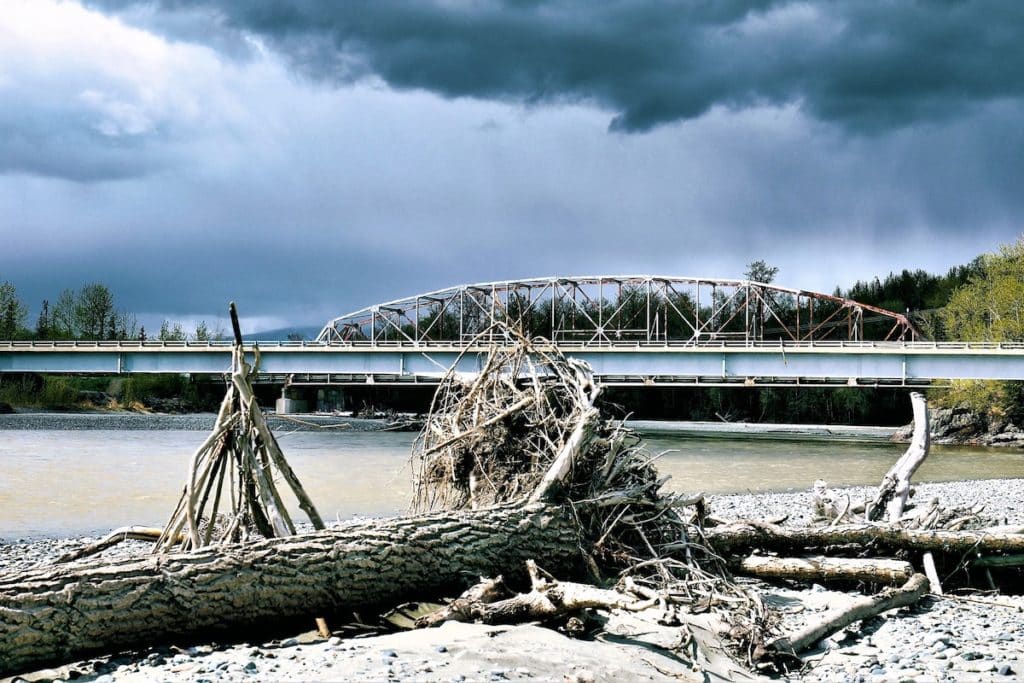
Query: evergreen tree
(43, 322)
(12, 312)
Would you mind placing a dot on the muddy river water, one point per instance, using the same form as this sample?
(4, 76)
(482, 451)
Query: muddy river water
(56, 483)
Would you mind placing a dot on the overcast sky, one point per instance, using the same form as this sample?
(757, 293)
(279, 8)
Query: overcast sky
(309, 158)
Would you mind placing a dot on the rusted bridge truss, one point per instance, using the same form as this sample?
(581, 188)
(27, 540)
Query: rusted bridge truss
(611, 310)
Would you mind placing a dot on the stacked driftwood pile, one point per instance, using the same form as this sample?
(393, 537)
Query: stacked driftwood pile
(518, 475)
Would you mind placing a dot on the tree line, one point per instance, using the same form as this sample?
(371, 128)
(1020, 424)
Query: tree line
(982, 300)
(89, 313)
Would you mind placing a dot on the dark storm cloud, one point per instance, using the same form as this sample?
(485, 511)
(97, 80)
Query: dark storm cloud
(49, 143)
(867, 66)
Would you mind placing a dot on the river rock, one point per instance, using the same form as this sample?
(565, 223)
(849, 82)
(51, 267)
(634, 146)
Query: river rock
(960, 425)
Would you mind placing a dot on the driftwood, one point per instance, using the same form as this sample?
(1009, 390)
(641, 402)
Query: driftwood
(235, 469)
(516, 465)
(862, 608)
(742, 537)
(71, 610)
(126, 533)
(895, 487)
(824, 569)
(548, 598)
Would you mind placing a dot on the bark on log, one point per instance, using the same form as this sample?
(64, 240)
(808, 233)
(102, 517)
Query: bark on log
(743, 537)
(67, 611)
(825, 569)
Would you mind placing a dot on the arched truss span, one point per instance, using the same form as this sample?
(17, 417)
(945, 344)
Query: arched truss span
(612, 309)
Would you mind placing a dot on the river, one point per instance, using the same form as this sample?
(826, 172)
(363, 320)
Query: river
(62, 483)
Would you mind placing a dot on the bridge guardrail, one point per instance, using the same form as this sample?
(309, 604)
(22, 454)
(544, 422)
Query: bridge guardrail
(568, 345)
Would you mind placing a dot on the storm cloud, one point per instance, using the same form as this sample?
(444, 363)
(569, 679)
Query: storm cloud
(866, 66)
(309, 158)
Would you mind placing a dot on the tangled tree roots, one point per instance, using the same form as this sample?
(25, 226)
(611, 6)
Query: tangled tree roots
(526, 427)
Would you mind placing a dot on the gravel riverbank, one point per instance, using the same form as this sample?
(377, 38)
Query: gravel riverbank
(969, 638)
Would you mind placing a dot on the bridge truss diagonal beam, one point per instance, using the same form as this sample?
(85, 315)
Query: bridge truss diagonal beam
(606, 309)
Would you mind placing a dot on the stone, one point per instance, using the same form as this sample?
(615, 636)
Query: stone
(1005, 670)
(441, 648)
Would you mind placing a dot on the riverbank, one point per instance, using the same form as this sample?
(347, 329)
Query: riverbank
(940, 639)
(118, 420)
(193, 422)
(761, 430)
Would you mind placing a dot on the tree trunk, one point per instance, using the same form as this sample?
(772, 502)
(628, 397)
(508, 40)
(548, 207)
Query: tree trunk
(67, 611)
(742, 537)
(824, 569)
(862, 608)
(895, 487)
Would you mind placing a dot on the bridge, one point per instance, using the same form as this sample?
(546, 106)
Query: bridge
(634, 330)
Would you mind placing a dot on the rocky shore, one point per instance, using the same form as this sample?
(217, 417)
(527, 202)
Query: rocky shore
(960, 426)
(954, 638)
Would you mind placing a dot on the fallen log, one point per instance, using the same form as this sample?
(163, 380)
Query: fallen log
(862, 608)
(70, 610)
(824, 569)
(745, 536)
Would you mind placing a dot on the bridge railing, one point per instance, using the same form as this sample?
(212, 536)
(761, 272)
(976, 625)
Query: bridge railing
(157, 346)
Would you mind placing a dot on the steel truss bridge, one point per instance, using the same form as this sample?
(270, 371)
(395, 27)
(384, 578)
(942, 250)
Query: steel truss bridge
(633, 330)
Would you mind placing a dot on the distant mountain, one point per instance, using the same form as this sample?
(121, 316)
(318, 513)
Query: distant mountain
(307, 333)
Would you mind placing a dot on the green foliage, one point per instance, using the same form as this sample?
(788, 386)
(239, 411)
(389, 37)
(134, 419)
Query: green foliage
(760, 271)
(12, 312)
(988, 307)
(171, 332)
(58, 392)
(95, 315)
(62, 317)
(39, 391)
(137, 388)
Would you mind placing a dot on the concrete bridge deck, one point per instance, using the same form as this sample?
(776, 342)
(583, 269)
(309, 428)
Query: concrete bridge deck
(854, 363)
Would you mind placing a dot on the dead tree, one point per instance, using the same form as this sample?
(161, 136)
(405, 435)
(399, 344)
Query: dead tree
(71, 610)
(895, 487)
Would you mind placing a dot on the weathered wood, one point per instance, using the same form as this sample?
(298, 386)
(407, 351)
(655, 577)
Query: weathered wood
(125, 533)
(895, 487)
(932, 573)
(862, 608)
(70, 610)
(825, 569)
(547, 599)
(743, 537)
